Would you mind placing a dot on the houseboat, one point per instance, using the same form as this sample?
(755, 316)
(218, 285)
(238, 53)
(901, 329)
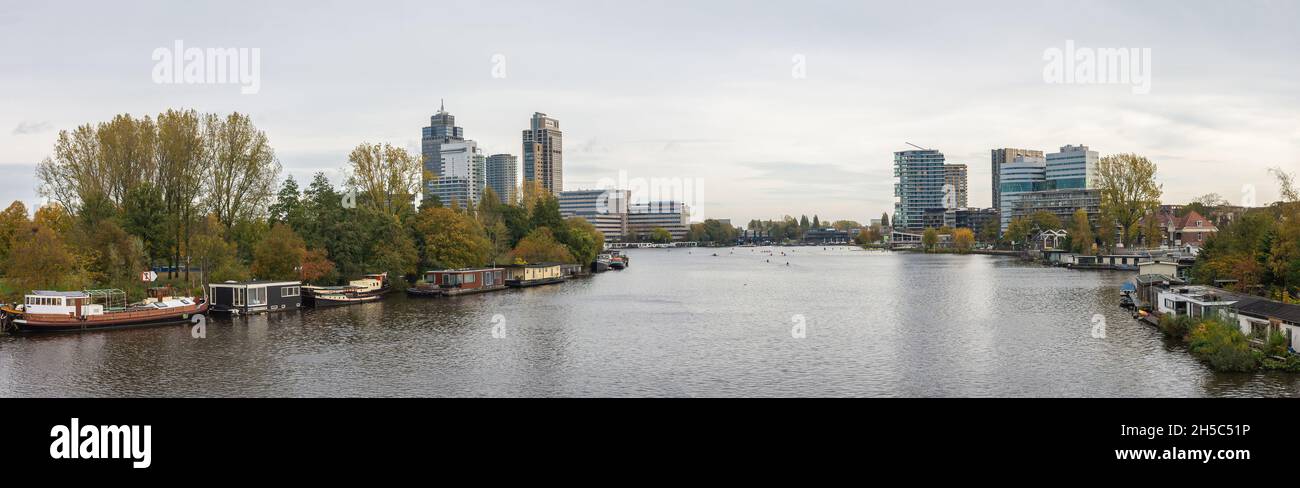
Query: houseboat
(252, 297)
(523, 275)
(453, 282)
(370, 288)
(55, 311)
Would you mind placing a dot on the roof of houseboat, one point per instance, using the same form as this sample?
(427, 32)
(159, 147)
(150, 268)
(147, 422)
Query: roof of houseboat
(256, 282)
(460, 270)
(533, 265)
(52, 293)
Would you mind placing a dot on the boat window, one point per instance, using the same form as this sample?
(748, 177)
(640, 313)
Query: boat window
(239, 297)
(257, 296)
(469, 278)
(289, 291)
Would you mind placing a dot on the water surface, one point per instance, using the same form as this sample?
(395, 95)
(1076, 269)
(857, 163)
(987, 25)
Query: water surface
(677, 322)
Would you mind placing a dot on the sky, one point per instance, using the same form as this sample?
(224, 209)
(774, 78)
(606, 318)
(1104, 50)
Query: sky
(769, 108)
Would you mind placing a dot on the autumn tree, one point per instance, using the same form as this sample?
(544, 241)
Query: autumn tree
(930, 239)
(279, 255)
(963, 239)
(12, 221)
(1128, 191)
(450, 239)
(583, 240)
(387, 175)
(540, 246)
(1081, 237)
(214, 256)
(242, 168)
(40, 260)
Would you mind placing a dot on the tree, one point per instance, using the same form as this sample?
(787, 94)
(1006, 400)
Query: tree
(279, 255)
(55, 217)
(816, 223)
(963, 239)
(584, 241)
(660, 235)
(540, 246)
(182, 168)
(989, 233)
(1043, 220)
(930, 239)
(41, 260)
(1081, 238)
(450, 239)
(215, 257)
(288, 206)
(846, 225)
(1018, 231)
(144, 215)
(389, 176)
(1128, 191)
(243, 168)
(12, 221)
(1152, 233)
(316, 267)
(884, 219)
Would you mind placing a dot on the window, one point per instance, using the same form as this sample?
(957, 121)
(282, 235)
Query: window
(289, 291)
(239, 297)
(257, 296)
(469, 278)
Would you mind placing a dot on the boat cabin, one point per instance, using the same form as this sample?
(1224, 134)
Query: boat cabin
(466, 279)
(249, 297)
(70, 303)
(533, 272)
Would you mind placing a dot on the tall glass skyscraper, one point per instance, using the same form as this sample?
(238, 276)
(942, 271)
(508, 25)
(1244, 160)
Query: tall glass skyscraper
(544, 153)
(502, 176)
(1075, 167)
(1006, 156)
(1023, 175)
(441, 130)
(920, 177)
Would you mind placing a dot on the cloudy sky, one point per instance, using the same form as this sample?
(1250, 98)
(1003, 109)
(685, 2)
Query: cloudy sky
(774, 107)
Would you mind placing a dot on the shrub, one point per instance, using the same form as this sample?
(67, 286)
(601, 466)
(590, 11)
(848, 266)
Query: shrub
(1223, 346)
(1175, 326)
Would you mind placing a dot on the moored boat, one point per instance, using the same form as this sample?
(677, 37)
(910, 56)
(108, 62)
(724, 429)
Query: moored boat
(370, 288)
(61, 311)
(454, 282)
(525, 275)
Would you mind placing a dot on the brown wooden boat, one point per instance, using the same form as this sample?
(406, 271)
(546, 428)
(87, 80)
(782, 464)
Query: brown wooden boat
(61, 311)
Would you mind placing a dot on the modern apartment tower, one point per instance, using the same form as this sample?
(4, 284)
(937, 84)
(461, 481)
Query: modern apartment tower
(460, 179)
(503, 176)
(920, 176)
(544, 153)
(954, 186)
(1074, 168)
(1006, 156)
(441, 130)
(1024, 174)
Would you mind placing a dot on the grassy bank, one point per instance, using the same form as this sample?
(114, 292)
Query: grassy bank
(1222, 346)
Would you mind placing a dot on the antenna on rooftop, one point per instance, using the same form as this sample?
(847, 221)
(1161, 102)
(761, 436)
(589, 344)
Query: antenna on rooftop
(918, 147)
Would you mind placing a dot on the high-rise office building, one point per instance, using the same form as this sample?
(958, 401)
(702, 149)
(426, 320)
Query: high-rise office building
(441, 130)
(544, 153)
(954, 186)
(461, 178)
(920, 177)
(607, 210)
(1024, 174)
(1006, 156)
(1075, 167)
(502, 176)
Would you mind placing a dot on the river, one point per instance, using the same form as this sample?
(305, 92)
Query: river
(677, 322)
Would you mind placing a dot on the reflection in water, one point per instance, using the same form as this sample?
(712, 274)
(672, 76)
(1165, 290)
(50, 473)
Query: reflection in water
(676, 323)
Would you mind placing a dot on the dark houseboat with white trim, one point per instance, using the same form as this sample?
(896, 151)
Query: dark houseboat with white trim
(58, 311)
(453, 282)
(524, 275)
(251, 297)
(370, 288)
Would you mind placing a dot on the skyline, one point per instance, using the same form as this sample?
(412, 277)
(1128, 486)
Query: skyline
(687, 91)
